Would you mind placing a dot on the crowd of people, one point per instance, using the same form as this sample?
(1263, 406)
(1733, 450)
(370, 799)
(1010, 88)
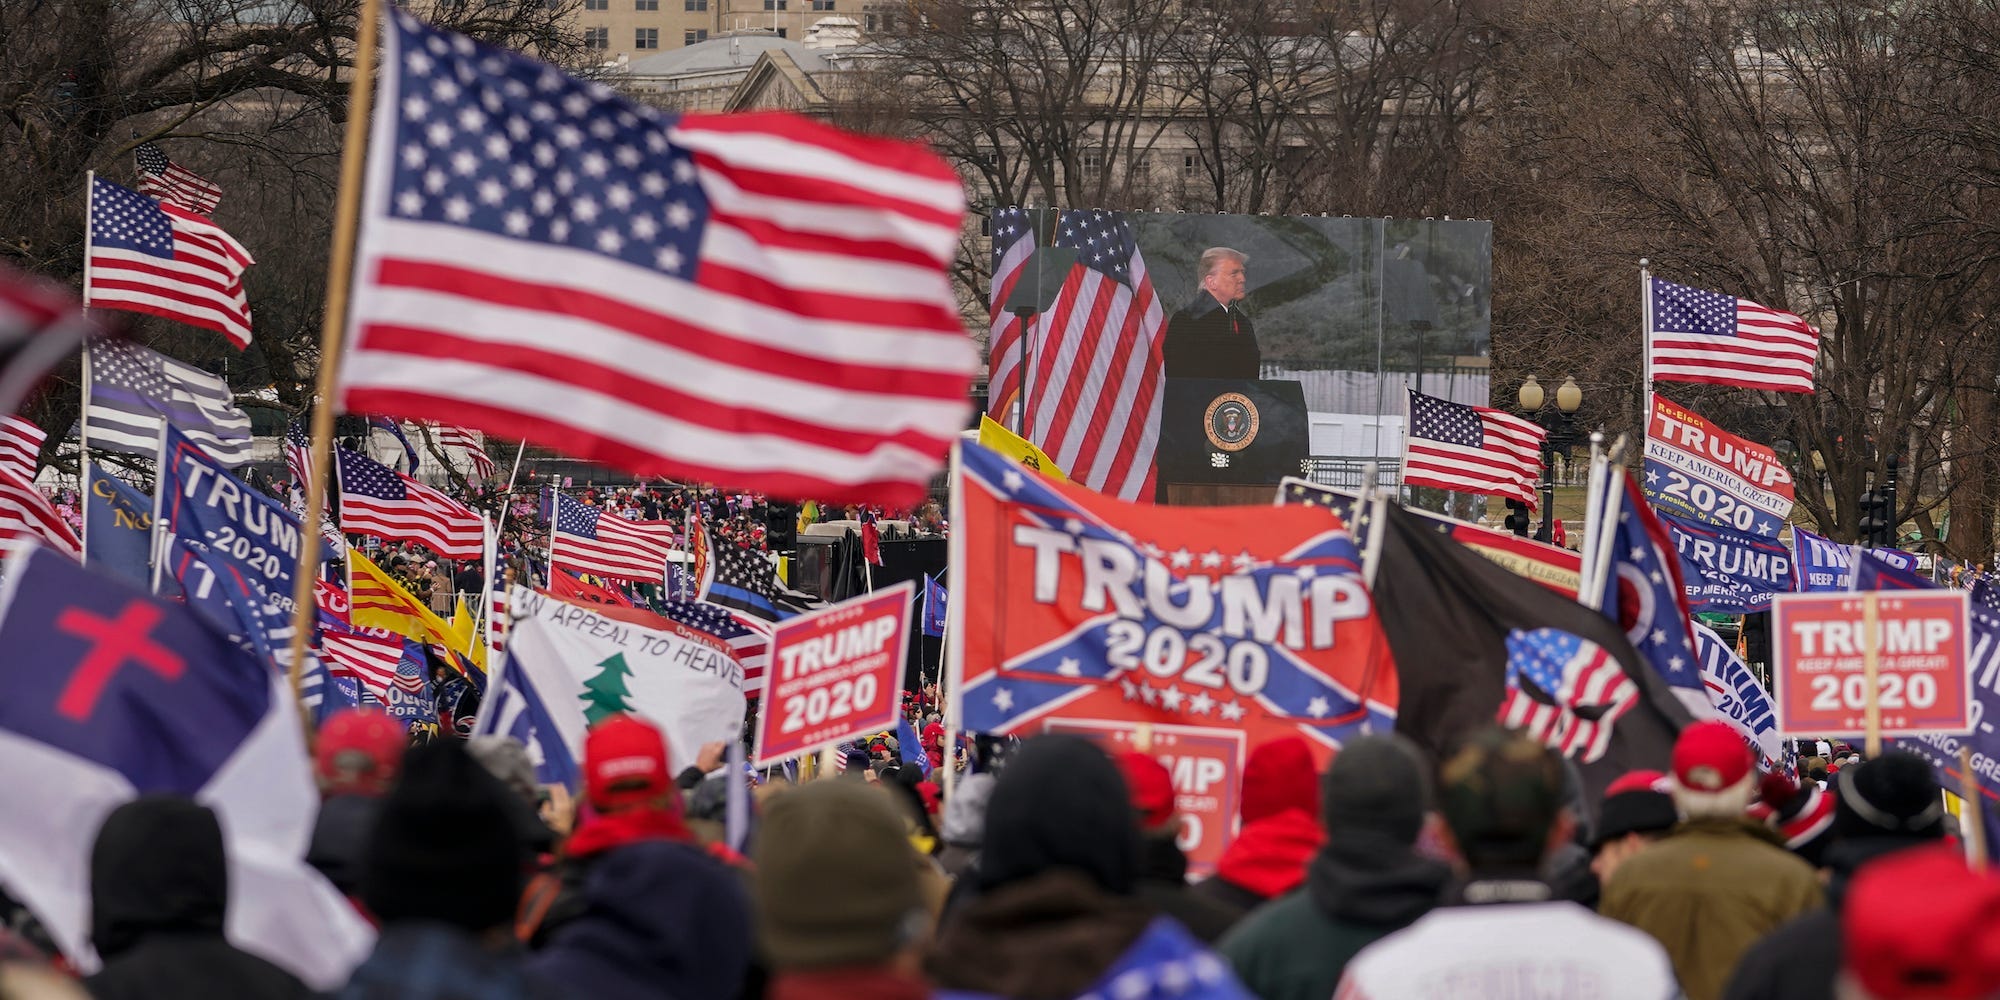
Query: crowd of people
(1053, 871)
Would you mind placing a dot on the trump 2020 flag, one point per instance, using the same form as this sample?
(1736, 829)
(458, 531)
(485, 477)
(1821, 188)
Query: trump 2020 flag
(1068, 604)
(111, 694)
(583, 665)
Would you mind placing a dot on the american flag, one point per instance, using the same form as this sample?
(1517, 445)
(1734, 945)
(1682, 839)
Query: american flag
(41, 325)
(748, 640)
(746, 582)
(1703, 336)
(1013, 244)
(26, 513)
(170, 182)
(1565, 691)
(1471, 449)
(21, 447)
(369, 655)
(298, 461)
(458, 437)
(130, 390)
(377, 500)
(497, 621)
(586, 539)
(1095, 369)
(757, 299)
(149, 257)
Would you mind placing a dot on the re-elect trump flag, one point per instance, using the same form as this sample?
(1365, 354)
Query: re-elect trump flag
(112, 693)
(1069, 604)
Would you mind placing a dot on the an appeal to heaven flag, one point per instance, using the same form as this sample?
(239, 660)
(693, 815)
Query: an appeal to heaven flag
(585, 666)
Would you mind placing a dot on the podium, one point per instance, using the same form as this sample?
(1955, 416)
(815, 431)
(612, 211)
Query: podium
(1229, 441)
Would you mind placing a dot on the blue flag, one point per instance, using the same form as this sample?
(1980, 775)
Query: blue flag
(1728, 571)
(1941, 749)
(1820, 565)
(909, 748)
(397, 429)
(1880, 569)
(934, 607)
(1644, 593)
(118, 526)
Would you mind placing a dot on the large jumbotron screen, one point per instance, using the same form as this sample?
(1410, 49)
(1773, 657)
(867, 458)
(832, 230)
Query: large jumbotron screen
(1354, 311)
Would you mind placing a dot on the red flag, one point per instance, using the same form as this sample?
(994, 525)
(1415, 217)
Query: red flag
(570, 587)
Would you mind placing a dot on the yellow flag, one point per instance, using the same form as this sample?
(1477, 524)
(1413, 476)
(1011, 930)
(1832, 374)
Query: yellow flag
(1018, 448)
(463, 629)
(379, 601)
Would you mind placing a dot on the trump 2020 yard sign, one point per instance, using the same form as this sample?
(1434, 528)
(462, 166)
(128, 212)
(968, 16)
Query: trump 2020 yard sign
(1818, 650)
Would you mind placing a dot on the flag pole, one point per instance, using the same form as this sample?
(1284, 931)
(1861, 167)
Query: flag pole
(1593, 514)
(507, 495)
(1645, 344)
(1972, 818)
(333, 322)
(489, 556)
(953, 658)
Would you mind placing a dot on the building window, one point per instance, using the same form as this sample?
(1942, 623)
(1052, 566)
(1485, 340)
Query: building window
(694, 4)
(646, 38)
(822, 4)
(597, 38)
(645, 4)
(596, 4)
(888, 21)
(1093, 161)
(1190, 166)
(693, 35)
(868, 22)
(775, 4)
(781, 31)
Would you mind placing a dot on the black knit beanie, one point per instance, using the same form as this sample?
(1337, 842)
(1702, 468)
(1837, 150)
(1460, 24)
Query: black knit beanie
(444, 846)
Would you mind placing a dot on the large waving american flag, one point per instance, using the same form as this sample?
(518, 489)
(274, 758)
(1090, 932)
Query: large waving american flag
(1565, 691)
(1702, 336)
(758, 300)
(377, 500)
(1095, 368)
(1471, 449)
(369, 655)
(151, 257)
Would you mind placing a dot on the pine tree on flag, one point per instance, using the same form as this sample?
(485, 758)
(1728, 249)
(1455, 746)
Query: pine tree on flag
(606, 693)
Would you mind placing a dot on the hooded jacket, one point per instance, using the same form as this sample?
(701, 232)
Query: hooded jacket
(1163, 886)
(1280, 830)
(660, 921)
(159, 886)
(1051, 909)
(1359, 888)
(1707, 892)
(1802, 958)
(965, 823)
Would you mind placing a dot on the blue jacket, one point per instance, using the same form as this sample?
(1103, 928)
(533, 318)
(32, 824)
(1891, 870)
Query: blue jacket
(425, 961)
(661, 921)
(1166, 963)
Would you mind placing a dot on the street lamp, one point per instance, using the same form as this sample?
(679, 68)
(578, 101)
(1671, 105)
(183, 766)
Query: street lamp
(1561, 428)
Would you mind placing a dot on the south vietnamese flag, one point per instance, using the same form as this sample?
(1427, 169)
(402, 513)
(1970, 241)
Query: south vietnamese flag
(1075, 605)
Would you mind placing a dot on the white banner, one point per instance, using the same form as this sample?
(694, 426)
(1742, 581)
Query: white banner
(585, 664)
(1737, 696)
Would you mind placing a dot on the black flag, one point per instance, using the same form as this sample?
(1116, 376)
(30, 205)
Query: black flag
(1461, 626)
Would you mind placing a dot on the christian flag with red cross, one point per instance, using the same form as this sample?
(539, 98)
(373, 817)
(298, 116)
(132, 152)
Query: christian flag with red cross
(113, 693)
(1069, 604)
